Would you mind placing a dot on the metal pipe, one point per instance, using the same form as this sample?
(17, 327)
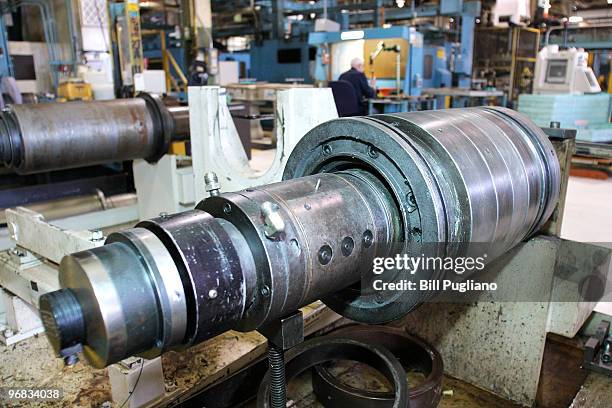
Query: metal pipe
(70, 206)
(352, 188)
(43, 137)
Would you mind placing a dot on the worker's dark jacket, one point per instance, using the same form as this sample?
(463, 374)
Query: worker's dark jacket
(360, 83)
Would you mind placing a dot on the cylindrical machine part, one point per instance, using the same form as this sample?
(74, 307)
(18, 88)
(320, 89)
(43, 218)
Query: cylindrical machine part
(475, 175)
(53, 136)
(180, 117)
(71, 206)
(352, 188)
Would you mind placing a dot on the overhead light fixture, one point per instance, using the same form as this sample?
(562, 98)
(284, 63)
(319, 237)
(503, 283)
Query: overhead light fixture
(400, 3)
(351, 35)
(576, 19)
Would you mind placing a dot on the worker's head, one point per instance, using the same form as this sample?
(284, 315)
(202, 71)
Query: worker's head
(357, 63)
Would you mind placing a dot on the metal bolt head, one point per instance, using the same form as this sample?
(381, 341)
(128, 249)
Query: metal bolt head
(97, 235)
(274, 225)
(212, 294)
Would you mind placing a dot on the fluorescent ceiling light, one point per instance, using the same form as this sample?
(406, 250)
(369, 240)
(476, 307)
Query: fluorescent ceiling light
(352, 35)
(576, 19)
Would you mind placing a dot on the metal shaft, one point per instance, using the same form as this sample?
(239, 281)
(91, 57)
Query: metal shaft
(52, 136)
(180, 116)
(70, 206)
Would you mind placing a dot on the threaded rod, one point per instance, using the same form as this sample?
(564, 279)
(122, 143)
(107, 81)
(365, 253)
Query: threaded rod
(278, 386)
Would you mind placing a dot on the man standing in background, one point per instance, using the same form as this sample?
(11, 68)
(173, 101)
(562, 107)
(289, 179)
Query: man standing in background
(357, 78)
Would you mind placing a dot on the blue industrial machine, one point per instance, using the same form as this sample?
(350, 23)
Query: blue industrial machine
(288, 55)
(435, 67)
(282, 60)
(350, 43)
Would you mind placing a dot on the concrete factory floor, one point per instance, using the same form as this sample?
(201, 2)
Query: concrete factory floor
(588, 217)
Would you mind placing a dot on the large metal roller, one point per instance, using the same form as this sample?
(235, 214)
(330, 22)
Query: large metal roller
(52, 136)
(352, 188)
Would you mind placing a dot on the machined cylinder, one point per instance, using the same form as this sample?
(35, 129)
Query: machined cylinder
(309, 236)
(52, 136)
(353, 189)
(475, 175)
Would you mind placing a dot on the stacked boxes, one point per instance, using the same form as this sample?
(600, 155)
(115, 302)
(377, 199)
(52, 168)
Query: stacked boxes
(589, 113)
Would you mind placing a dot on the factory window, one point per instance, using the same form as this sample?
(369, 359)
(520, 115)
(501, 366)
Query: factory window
(289, 56)
(428, 67)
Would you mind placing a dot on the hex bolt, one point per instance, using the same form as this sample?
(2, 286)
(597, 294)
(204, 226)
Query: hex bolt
(97, 235)
(211, 183)
(274, 225)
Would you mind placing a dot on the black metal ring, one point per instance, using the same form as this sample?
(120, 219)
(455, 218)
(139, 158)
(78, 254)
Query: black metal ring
(323, 349)
(11, 151)
(411, 351)
(163, 125)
